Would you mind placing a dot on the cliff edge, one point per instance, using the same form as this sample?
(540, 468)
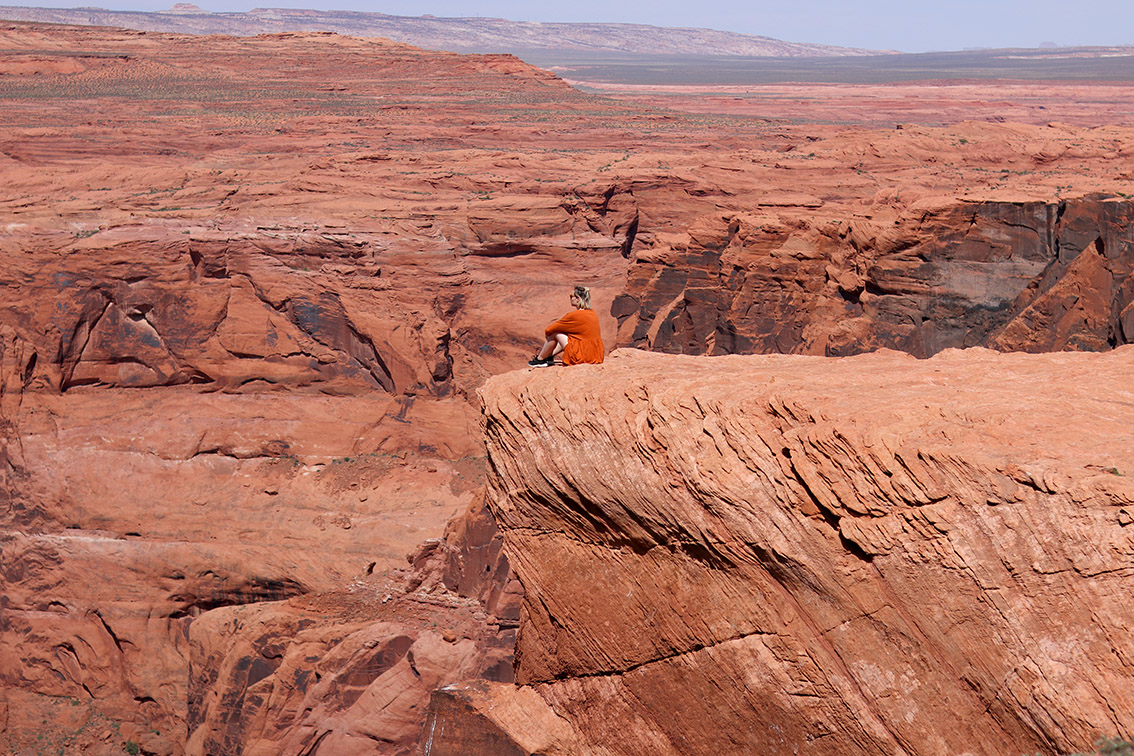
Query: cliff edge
(787, 554)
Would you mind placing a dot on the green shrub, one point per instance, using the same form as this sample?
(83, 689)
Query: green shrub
(1114, 747)
(1111, 747)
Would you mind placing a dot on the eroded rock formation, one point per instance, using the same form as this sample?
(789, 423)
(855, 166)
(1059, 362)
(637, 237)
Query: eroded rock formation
(352, 671)
(248, 305)
(787, 554)
(238, 408)
(1019, 276)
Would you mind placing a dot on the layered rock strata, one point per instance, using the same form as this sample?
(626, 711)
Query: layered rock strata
(1016, 276)
(208, 406)
(351, 671)
(129, 518)
(789, 554)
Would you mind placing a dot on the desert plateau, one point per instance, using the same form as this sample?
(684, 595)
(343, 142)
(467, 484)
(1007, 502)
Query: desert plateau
(856, 477)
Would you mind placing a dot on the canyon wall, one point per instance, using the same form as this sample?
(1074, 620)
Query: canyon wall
(787, 554)
(196, 426)
(234, 395)
(351, 671)
(1015, 276)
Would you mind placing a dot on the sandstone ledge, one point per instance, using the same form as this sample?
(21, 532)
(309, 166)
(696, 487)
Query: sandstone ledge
(780, 554)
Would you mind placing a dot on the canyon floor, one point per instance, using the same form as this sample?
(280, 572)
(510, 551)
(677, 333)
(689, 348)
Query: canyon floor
(253, 286)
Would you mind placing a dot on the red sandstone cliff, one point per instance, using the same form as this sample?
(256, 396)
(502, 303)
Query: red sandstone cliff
(873, 555)
(1017, 276)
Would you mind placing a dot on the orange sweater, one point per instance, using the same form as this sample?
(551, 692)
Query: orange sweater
(584, 337)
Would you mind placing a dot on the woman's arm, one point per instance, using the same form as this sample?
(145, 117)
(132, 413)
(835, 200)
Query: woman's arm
(570, 324)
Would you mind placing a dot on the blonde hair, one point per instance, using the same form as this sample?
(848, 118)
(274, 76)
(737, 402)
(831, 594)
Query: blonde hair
(583, 294)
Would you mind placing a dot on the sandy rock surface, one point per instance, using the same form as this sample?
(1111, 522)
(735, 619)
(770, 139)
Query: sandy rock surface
(868, 555)
(884, 106)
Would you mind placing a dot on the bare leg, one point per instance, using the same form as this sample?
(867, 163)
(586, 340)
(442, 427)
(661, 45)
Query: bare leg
(553, 346)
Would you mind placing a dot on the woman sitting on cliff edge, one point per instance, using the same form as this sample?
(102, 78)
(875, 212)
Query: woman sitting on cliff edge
(576, 335)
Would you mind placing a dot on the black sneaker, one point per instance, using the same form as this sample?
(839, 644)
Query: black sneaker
(545, 362)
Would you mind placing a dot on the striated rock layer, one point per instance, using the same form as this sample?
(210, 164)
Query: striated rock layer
(351, 671)
(206, 408)
(1016, 276)
(790, 554)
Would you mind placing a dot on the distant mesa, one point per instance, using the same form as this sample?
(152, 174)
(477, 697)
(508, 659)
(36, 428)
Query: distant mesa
(466, 34)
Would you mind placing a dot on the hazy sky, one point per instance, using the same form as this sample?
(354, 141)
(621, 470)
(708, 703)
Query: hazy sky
(907, 25)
